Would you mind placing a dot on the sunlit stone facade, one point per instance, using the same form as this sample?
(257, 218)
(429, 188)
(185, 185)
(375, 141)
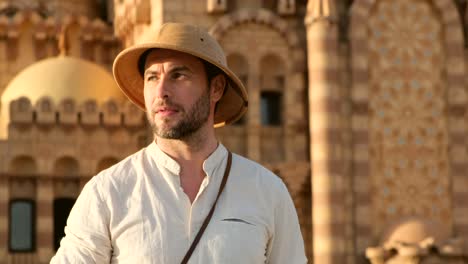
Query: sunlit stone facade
(359, 106)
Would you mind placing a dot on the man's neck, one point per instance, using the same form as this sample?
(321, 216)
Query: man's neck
(190, 154)
(195, 148)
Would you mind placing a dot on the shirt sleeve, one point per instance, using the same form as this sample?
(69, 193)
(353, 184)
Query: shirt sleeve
(286, 244)
(87, 238)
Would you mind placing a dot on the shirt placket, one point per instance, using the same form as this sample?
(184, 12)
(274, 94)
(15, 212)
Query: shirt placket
(197, 207)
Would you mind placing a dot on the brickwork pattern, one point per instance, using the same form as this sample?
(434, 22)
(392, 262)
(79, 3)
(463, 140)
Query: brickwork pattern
(44, 221)
(456, 104)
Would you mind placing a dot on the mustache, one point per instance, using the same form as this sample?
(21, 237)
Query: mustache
(167, 103)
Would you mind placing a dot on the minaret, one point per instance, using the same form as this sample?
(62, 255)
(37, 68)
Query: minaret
(63, 42)
(328, 196)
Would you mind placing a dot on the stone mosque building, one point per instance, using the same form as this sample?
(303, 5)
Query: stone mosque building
(360, 106)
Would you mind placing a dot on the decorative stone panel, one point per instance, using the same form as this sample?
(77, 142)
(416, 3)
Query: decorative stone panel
(132, 115)
(45, 111)
(428, 34)
(408, 126)
(67, 112)
(21, 111)
(111, 115)
(89, 113)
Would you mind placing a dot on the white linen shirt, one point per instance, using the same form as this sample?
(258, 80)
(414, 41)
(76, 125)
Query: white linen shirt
(137, 212)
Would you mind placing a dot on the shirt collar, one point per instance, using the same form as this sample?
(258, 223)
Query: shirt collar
(209, 165)
(215, 160)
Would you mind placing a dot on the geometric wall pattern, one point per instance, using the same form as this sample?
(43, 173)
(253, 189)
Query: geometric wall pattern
(408, 127)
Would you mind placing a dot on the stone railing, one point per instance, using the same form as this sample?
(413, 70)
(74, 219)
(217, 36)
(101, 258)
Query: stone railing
(67, 112)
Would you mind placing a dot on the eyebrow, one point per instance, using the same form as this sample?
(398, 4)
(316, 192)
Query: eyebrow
(174, 69)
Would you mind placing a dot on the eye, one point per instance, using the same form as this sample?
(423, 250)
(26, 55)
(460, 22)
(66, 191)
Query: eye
(151, 77)
(177, 75)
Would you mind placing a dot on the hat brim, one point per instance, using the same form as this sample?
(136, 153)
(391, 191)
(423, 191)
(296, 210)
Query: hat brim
(232, 105)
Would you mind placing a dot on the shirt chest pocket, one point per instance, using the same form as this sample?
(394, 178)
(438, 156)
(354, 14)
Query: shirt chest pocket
(236, 240)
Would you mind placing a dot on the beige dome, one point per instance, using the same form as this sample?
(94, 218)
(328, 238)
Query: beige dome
(60, 78)
(414, 230)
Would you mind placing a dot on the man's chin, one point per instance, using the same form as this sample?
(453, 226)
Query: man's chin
(163, 124)
(168, 134)
(166, 131)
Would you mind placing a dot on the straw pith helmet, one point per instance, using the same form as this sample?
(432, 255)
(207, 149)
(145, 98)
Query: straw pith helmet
(188, 39)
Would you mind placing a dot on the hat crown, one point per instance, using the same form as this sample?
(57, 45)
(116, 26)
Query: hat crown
(190, 39)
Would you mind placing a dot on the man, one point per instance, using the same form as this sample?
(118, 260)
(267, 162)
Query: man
(150, 207)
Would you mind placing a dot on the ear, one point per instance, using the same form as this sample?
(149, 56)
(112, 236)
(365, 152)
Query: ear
(218, 84)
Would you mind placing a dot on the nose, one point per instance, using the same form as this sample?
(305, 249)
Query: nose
(156, 92)
(162, 88)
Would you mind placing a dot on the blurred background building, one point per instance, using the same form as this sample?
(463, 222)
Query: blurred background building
(359, 106)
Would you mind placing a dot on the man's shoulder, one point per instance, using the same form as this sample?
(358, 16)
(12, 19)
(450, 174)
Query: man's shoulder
(252, 170)
(125, 169)
(127, 162)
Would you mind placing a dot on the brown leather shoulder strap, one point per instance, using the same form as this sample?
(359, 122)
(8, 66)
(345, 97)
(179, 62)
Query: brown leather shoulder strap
(210, 214)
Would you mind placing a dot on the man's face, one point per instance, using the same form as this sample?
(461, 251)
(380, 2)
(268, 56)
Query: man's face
(177, 96)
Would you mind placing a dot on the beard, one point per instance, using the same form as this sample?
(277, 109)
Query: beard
(192, 119)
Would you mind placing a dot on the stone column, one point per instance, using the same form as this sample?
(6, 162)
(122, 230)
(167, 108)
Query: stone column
(328, 197)
(253, 120)
(45, 220)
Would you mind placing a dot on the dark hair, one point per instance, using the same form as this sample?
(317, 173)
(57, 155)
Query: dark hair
(210, 70)
(142, 62)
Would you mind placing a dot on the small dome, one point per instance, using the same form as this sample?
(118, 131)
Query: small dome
(60, 78)
(414, 230)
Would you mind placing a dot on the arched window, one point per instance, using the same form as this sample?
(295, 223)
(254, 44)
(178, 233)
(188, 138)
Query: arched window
(22, 228)
(23, 165)
(106, 163)
(62, 208)
(270, 4)
(66, 166)
(270, 108)
(9, 11)
(240, 67)
(272, 86)
(238, 64)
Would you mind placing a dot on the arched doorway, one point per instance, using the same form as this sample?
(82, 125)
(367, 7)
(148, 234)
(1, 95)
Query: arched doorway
(62, 208)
